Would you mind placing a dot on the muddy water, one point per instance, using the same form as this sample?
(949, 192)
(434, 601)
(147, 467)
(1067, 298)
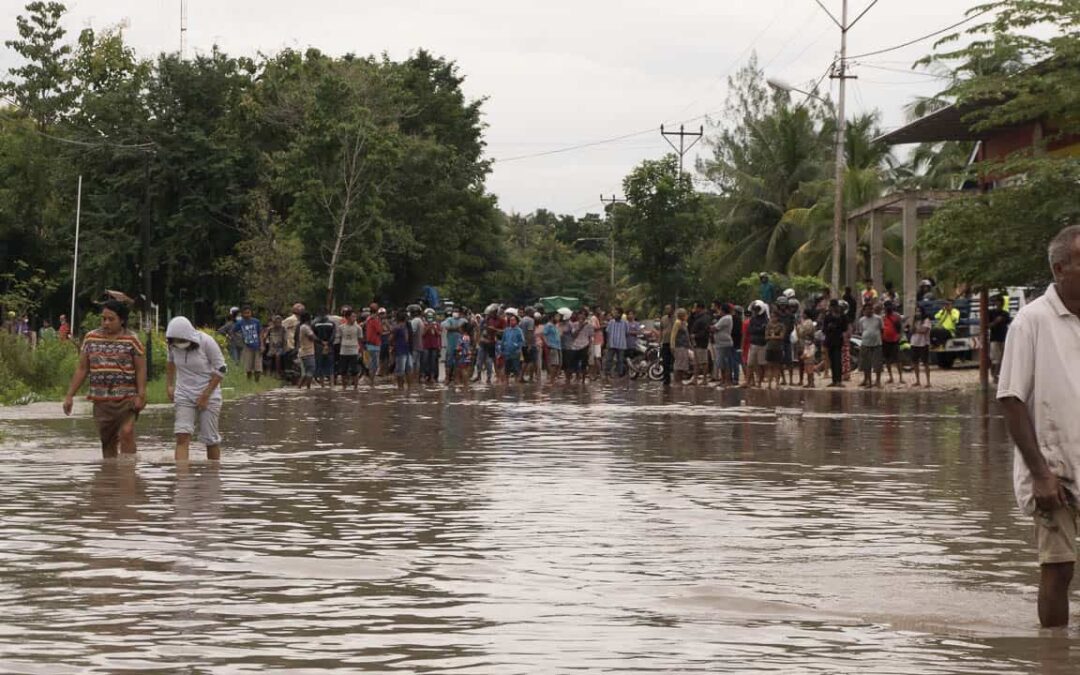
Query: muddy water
(528, 531)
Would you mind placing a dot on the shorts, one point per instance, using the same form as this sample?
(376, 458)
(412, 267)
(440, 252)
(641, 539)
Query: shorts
(723, 358)
(187, 415)
(997, 350)
(513, 366)
(251, 360)
(1055, 534)
(682, 359)
(787, 352)
(401, 364)
(701, 357)
(307, 366)
(774, 353)
(110, 417)
(756, 357)
(870, 359)
(349, 364)
(920, 355)
(554, 358)
(594, 352)
(890, 351)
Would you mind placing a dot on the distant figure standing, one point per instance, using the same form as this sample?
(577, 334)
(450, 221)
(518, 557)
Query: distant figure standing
(250, 330)
(115, 362)
(998, 319)
(194, 370)
(766, 289)
(1038, 389)
(64, 331)
(46, 332)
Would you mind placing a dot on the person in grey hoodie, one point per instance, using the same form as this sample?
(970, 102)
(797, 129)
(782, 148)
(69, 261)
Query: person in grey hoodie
(195, 368)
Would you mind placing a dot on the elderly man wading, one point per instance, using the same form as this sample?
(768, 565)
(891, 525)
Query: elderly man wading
(1039, 387)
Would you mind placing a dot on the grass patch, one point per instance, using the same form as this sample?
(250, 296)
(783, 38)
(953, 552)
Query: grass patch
(234, 386)
(43, 374)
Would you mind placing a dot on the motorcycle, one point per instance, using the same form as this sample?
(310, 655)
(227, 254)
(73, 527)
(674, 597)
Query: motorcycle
(645, 361)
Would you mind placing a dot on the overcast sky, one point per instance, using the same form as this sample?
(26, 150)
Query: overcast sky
(559, 73)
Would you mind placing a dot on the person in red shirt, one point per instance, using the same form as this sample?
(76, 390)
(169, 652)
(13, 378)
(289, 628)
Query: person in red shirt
(891, 333)
(64, 331)
(373, 331)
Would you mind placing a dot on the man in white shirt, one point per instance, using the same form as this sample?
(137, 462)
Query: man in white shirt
(1038, 389)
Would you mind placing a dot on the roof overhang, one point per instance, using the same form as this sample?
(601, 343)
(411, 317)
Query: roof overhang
(946, 124)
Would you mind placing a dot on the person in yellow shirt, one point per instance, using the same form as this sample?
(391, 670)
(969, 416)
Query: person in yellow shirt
(948, 318)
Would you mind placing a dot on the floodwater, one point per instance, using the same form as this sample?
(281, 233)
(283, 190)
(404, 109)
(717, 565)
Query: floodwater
(529, 531)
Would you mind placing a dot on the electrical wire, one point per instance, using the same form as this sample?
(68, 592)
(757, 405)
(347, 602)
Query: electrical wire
(72, 141)
(904, 72)
(924, 37)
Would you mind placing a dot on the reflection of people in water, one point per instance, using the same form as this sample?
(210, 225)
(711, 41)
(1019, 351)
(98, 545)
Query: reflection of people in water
(194, 371)
(117, 490)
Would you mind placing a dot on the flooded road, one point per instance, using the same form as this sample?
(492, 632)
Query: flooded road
(524, 531)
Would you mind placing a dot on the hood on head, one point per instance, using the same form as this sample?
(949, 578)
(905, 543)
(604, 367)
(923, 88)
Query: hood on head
(181, 329)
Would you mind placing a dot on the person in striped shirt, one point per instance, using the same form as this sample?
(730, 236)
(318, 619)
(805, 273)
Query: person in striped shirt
(115, 362)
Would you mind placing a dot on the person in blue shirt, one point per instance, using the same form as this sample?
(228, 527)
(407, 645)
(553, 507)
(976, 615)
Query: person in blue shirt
(513, 341)
(553, 345)
(617, 333)
(453, 326)
(250, 331)
(766, 289)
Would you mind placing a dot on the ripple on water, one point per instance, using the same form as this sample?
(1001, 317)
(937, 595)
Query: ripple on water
(527, 531)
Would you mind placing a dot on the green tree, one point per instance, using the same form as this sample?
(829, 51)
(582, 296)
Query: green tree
(663, 223)
(41, 87)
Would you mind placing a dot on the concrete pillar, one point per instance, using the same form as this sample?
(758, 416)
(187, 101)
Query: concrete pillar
(877, 251)
(911, 263)
(851, 253)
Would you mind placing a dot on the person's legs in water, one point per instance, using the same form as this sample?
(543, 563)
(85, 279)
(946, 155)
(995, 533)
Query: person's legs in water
(1054, 580)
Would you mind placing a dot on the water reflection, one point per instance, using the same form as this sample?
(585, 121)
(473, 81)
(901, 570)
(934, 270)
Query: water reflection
(524, 530)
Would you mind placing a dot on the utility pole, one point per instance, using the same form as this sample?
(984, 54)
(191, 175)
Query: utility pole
(682, 148)
(839, 71)
(146, 262)
(612, 201)
(183, 28)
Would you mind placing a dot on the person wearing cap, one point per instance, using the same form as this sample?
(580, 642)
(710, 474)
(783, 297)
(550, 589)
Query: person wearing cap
(755, 360)
(115, 362)
(193, 372)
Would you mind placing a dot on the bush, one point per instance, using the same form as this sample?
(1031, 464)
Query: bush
(804, 286)
(27, 374)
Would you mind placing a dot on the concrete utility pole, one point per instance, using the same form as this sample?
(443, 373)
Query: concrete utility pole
(682, 148)
(613, 200)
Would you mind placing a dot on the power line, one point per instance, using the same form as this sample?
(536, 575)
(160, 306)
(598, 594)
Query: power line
(924, 37)
(904, 72)
(72, 141)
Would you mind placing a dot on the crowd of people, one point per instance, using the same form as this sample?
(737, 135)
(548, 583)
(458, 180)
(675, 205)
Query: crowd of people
(778, 340)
